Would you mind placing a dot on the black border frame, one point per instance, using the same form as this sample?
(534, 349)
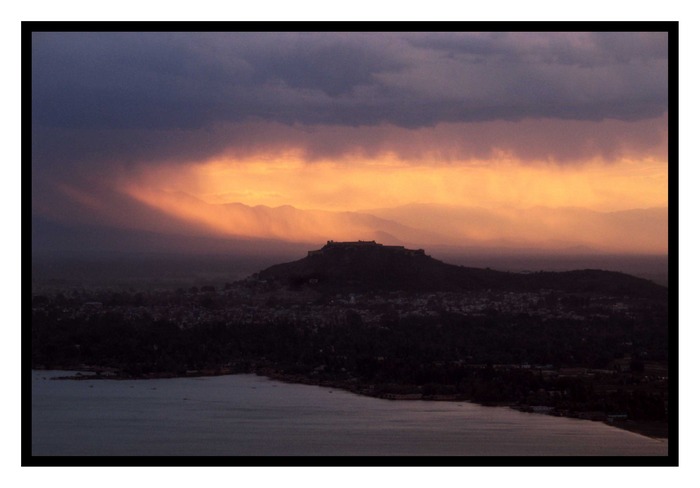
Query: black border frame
(671, 27)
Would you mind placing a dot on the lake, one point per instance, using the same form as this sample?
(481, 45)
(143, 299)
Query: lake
(244, 415)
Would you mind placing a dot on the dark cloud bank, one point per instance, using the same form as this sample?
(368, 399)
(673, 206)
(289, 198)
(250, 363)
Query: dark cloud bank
(162, 81)
(153, 96)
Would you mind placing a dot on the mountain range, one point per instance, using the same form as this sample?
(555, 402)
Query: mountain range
(173, 216)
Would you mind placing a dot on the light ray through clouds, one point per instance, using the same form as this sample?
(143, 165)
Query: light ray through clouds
(517, 139)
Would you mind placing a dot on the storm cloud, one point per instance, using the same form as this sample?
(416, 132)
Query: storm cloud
(157, 130)
(193, 80)
(125, 97)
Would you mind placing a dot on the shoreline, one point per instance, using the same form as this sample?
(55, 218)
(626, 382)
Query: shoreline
(652, 429)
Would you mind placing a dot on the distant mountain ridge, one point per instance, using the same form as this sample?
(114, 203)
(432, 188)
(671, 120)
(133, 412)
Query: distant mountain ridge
(367, 265)
(635, 230)
(173, 214)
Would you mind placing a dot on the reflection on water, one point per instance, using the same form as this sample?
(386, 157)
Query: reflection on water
(250, 415)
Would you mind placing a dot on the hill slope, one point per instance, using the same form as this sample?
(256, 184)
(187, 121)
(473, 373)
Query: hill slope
(362, 265)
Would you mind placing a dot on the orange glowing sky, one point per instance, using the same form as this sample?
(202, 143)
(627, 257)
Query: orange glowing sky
(372, 184)
(549, 140)
(211, 192)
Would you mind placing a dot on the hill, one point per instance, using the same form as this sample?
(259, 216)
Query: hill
(367, 265)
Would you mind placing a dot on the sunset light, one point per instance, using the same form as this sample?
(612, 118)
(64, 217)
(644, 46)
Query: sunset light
(451, 245)
(415, 147)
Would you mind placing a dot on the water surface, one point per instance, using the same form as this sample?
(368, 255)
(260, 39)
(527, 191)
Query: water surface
(240, 415)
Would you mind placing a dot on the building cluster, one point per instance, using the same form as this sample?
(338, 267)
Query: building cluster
(356, 245)
(243, 304)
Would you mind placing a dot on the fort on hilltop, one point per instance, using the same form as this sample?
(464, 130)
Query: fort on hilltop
(355, 245)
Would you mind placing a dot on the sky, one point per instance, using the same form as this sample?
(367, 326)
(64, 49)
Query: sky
(530, 140)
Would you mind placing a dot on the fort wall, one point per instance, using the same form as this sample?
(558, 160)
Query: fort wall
(351, 245)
